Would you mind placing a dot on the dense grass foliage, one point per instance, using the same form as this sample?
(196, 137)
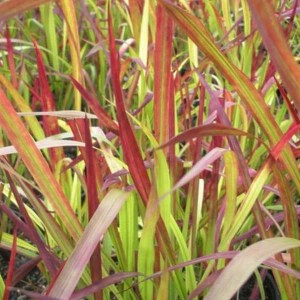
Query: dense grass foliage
(149, 150)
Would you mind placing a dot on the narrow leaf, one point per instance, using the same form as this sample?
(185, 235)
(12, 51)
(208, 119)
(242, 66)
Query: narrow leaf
(200, 166)
(277, 46)
(93, 203)
(66, 114)
(11, 8)
(205, 130)
(44, 144)
(68, 9)
(244, 264)
(162, 73)
(103, 117)
(22, 106)
(106, 212)
(243, 86)
(130, 147)
(11, 266)
(10, 54)
(38, 167)
(103, 283)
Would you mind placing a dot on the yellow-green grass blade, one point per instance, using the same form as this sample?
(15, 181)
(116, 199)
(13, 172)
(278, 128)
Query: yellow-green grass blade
(128, 226)
(23, 247)
(243, 86)
(22, 106)
(37, 165)
(143, 51)
(146, 251)
(163, 291)
(2, 287)
(248, 47)
(69, 12)
(136, 17)
(247, 204)
(244, 264)
(163, 185)
(231, 176)
(185, 255)
(48, 19)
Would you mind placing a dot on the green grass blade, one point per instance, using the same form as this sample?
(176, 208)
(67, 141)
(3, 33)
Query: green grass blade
(231, 171)
(247, 204)
(146, 250)
(2, 287)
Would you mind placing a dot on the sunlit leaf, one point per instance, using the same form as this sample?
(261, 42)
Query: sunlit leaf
(244, 264)
(69, 276)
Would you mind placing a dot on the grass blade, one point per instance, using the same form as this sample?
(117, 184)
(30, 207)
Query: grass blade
(38, 167)
(244, 87)
(50, 123)
(103, 117)
(22, 106)
(10, 57)
(70, 274)
(103, 283)
(11, 8)
(205, 130)
(244, 264)
(277, 46)
(93, 202)
(162, 73)
(11, 266)
(131, 150)
(68, 9)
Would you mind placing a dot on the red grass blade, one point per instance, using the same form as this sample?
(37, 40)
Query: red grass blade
(10, 56)
(103, 117)
(11, 266)
(131, 150)
(288, 102)
(275, 152)
(105, 282)
(205, 130)
(23, 270)
(49, 259)
(50, 123)
(162, 73)
(93, 203)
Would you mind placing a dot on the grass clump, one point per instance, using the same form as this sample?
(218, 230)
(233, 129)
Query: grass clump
(149, 149)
